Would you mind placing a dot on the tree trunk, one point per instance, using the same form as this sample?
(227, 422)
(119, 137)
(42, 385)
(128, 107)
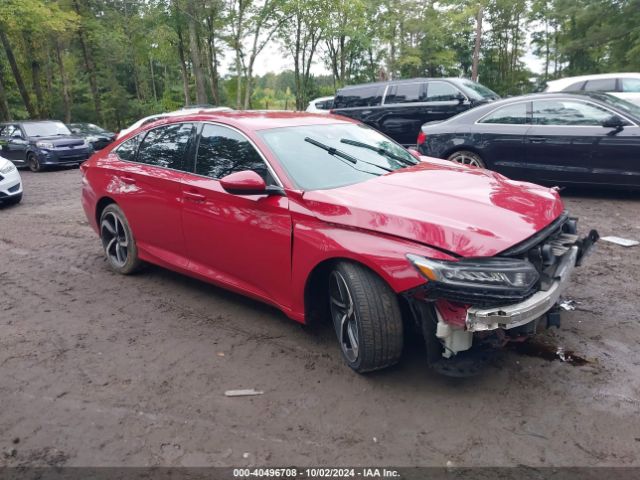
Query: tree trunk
(36, 73)
(16, 74)
(476, 49)
(213, 62)
(153, 81)
(89, 66)
(183, 69)
(5, 114)
(66, 99)
(194, 48)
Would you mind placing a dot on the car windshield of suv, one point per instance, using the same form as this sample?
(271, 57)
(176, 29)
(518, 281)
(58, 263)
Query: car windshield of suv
(479, 92)
(619, 103)
(88, 128)
(302, 151)
(45, 129)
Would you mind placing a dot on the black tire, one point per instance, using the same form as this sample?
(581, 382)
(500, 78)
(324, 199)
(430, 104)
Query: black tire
(117, 241)
(33, 163)
(374, 319)
(468, 158)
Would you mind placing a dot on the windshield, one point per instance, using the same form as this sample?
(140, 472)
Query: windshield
(313, 167)
(479, 92)
(45, 129)
(87, 128)
(619, 103)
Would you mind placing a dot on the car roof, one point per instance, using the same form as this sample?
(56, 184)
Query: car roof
(259, 119)
(405, 80)
(595, 76)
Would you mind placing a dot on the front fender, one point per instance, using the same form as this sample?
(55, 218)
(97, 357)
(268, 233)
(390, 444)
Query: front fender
(316, 242)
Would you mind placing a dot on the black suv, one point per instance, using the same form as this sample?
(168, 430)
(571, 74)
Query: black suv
(41, 143)
(400, 107)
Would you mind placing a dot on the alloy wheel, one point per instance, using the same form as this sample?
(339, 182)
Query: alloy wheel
(465, 159)
(34, 164)
(114, 239)
(344, 316)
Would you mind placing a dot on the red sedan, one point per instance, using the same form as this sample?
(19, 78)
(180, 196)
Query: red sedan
(324, 217)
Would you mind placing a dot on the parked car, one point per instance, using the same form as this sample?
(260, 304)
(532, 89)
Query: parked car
(623, 85)
(320, 105)
(10, 183)
(176, 113)
(97, 136)
(321, 215)
(400, 107)
(549, 138)
(42, 143)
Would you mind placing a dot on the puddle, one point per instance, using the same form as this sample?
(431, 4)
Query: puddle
(548, 352)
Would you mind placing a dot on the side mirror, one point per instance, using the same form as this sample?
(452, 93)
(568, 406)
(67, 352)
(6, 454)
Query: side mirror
(248, 182)
(17, 135)
(461, 98)
(613, 121)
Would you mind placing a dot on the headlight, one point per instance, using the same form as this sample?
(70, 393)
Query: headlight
(47, 145)
(485, 273)
(9, 167)
(90, 139)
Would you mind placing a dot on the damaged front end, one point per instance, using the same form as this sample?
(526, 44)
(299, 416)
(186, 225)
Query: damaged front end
(491, 301)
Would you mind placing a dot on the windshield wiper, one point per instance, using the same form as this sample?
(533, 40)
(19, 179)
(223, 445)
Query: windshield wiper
(379, 150)
(341, 154)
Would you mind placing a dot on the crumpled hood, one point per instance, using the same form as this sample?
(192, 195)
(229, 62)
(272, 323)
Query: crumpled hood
(468, 211)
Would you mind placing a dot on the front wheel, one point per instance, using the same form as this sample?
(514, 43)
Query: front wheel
(366, 316)
(467, 158)
(34, 163)
(117, 240)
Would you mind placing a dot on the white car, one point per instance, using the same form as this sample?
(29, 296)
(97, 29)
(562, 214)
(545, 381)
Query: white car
(10, 182)
(320, 105)
(177, 113)
(622, 85)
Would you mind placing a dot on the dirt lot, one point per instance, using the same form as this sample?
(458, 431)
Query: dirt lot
(100, 369)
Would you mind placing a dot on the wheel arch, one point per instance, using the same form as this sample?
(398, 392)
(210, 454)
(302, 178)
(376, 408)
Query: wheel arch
(466, 148)
(101, 205)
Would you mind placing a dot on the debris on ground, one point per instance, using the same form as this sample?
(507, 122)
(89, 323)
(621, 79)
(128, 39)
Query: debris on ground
(625, 242)
(243, 393)
(567, 305)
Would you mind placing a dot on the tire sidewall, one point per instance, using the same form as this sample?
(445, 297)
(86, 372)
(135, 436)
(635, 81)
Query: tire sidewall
(133, 262)
(467, 153)
(33, 163)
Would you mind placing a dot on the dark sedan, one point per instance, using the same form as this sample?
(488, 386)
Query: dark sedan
(559, 138)
(97, 136)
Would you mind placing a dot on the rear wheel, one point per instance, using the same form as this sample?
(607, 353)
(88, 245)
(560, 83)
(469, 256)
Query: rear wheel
(34, 163)
(117, 241)
(366, 317)
(467, 158)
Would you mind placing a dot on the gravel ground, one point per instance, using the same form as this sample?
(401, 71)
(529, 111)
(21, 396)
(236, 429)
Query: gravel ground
(98, 369)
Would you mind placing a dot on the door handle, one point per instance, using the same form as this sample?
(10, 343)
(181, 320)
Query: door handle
(194, 196)
(537, 139)
(128, 180)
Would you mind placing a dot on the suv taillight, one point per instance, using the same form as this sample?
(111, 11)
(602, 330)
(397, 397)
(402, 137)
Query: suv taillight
(422, 137)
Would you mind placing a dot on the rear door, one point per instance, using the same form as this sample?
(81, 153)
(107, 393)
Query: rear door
(567, 143)
(500, 135)
(404, 111)
(147, 184)
(241, 241)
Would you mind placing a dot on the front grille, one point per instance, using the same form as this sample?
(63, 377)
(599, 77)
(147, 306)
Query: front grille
(478, 298)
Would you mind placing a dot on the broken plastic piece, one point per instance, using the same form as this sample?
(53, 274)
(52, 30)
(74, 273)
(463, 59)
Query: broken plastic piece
(243, 393)
(625, 242)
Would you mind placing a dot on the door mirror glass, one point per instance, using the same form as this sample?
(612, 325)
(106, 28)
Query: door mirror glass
(246, 182)
(613, 122)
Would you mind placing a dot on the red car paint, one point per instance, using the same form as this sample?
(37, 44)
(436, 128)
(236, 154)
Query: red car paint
(267, 247)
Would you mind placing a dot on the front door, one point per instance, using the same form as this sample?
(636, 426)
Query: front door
(240, 241)
(14, 144)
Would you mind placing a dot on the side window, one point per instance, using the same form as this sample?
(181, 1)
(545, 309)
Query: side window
(10, 131)
(631, 85)
(574, 87)
(406, 93)
(127, 150)
(442, 92)
(222, 151)
(602, 85)
(166, 146)
(568, 112)
(368, 96)
(509, 115)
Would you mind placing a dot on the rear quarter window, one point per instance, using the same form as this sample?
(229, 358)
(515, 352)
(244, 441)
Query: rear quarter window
(367, 96)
